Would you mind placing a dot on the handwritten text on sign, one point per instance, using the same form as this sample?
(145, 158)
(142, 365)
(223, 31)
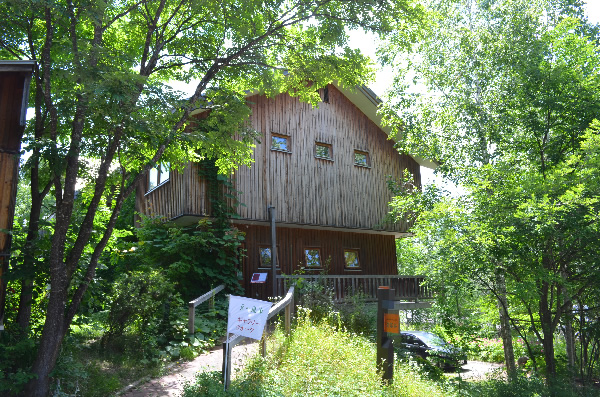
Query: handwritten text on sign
(247, 317)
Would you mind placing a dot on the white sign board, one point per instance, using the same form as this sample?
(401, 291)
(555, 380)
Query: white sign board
(247, 317)
(259, 278)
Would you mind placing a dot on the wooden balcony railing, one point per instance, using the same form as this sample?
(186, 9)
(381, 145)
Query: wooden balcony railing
(406, 287)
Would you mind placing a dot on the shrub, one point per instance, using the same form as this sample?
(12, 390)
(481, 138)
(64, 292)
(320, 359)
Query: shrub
(196, 258)
(16, 356)
(136, 299)
(358, 316)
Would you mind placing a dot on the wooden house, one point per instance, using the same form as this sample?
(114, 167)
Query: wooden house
(15, 77)
(318, 187)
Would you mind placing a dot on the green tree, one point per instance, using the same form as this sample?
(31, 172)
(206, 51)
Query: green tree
(511, 88)
(104, 114)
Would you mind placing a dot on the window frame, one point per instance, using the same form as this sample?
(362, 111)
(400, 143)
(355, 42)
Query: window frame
(160, 173)
(260, 261)
(329, 148)
(367, 158)
(288, 140)
(357, 252)
(325, 94)
(306, 265)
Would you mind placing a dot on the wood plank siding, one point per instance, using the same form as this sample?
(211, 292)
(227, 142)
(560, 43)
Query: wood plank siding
(14, 83)
(185, 193)
(304, 189)
(377, 253)
(313, 191)
(14, 92)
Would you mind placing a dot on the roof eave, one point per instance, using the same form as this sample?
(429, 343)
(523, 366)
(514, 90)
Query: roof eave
(16, 66)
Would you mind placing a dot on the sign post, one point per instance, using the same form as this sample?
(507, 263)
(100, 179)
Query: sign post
(246, 317)
(388, 322)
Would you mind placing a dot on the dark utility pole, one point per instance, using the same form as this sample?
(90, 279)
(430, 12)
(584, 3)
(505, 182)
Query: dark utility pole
(273, 250)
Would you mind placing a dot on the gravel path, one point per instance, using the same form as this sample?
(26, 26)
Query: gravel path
(182, 373)
(479, 370)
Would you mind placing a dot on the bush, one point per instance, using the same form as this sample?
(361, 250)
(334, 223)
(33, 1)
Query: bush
(196, 258)
(136, 301)
(492, 349)
(358, 316)
(16, 356)
(528, 387)
(354, 314)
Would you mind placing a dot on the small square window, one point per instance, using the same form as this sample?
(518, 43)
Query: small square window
(280, 142)
(351, 259)
(361, 158)
(323, 151)
(265, 257)
(313, 257)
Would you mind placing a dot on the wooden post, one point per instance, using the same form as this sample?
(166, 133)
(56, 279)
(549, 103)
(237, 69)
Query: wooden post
(385, 345)
(288, 316)
(273, 251)
(226, 364)
(263, 345)
(191, 318)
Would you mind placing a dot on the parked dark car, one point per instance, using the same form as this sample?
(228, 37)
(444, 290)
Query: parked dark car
(432, 348)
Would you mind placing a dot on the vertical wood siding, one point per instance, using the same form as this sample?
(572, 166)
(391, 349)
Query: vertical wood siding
(11, 132)
(312, 191)
(185, 193)
(8, 189)
(304, 189)
(12, 92)
(377, 253)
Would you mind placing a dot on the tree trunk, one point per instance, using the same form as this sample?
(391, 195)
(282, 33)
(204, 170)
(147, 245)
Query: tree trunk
(505, 330)
(51, 342)
(568, 320)
(570, 342)
(548, 344)
(25, 298)
(29, 260)
(547, 325)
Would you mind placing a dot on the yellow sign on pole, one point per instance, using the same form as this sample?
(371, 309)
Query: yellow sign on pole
(391, 323)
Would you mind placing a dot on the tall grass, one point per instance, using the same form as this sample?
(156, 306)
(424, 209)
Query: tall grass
(319, 359)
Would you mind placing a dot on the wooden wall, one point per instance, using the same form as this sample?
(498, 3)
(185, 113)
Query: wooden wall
(304, 190)
(14, 85)
(308, 190)
(377, 253)
(184, 193)
(9, 164)
(11, 131)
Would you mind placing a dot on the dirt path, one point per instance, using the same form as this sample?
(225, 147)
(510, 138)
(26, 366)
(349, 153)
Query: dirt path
(478, 370)
(172, 383)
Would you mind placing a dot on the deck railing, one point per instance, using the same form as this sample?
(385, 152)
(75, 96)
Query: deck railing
(192, 306)
(406, 287)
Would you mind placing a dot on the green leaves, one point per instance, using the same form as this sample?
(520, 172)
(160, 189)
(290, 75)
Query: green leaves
(509, 92)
